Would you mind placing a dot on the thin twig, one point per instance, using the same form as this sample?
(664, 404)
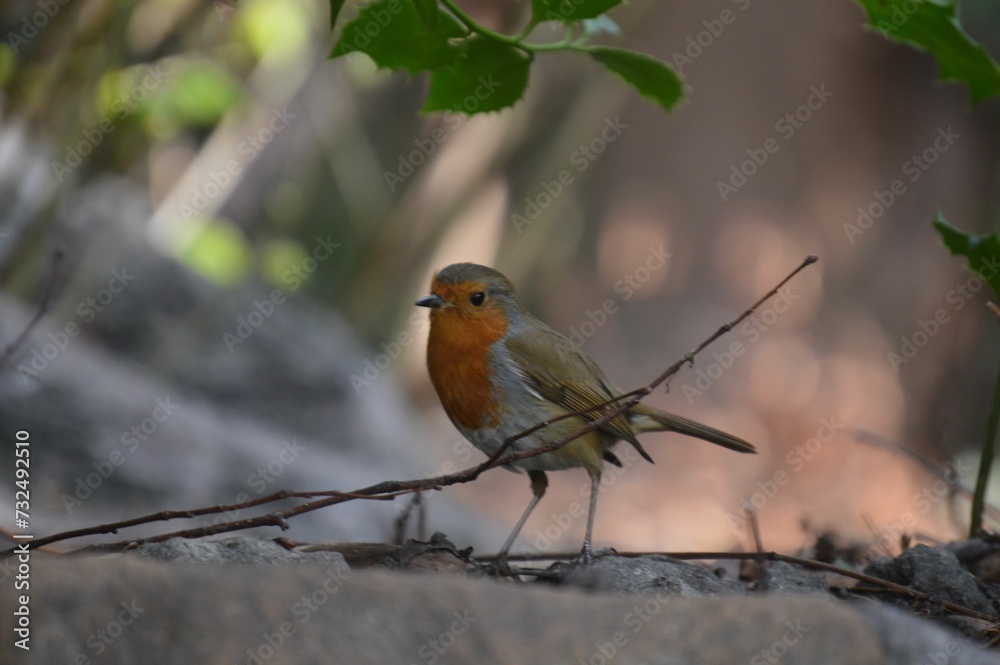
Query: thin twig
(43, 306)
(985, 462)
(775, 556)
(415, 504)
(390, 489)
(166, 515)
(759, 545)
(636, 395)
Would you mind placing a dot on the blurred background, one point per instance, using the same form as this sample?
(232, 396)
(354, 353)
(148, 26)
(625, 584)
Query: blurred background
(228, 231)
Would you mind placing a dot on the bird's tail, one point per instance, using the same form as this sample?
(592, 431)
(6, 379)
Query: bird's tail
(648, 419)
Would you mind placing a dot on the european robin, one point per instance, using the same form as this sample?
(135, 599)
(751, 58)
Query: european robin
(499, 371)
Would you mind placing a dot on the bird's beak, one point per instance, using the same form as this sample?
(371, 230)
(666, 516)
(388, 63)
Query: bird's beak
(432, 301)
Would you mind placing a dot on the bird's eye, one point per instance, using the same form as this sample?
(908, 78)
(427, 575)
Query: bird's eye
(478, 298)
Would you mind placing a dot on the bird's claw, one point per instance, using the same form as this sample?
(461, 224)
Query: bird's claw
(587, 556)
(498, 568)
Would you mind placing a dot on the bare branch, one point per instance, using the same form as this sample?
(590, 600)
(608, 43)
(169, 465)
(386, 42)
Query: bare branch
(390, 489)
(775, 556)
(43, 306)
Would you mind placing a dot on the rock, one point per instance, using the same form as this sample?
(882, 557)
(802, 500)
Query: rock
(934, 571)
(123, 609)
(784, 578)
(647, 574)
(210, 427)
(908, 640)
(981, 558)
(438, 555)
(236, 549)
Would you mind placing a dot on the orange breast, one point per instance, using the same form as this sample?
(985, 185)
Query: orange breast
(458, 363)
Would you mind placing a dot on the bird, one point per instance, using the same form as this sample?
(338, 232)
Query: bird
(498, 371)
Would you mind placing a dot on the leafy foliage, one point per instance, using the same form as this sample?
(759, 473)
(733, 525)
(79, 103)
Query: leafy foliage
(649, 76)
(934, 27)
(982, 252)
(569, 11)
(496, 73)
(476, 70)
(394, 34)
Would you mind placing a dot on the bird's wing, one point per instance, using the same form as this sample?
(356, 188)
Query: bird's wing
(563, 375)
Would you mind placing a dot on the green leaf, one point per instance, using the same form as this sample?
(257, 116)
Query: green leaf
(428, 10)
(393, 34)
(569, 11)
(651, 77)
(933, 26)
(488, 76)
(982, 252)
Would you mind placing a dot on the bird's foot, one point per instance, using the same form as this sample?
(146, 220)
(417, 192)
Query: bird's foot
(587, 555)
(498, 567)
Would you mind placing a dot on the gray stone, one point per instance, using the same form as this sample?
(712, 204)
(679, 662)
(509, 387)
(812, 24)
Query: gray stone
(121, 609)
(235, 549)
(934, 571)
(784, 578)
(908, 640)
(647, 574)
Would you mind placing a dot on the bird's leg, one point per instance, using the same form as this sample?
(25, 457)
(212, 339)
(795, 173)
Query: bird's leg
(539, 483)
(587, 555)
